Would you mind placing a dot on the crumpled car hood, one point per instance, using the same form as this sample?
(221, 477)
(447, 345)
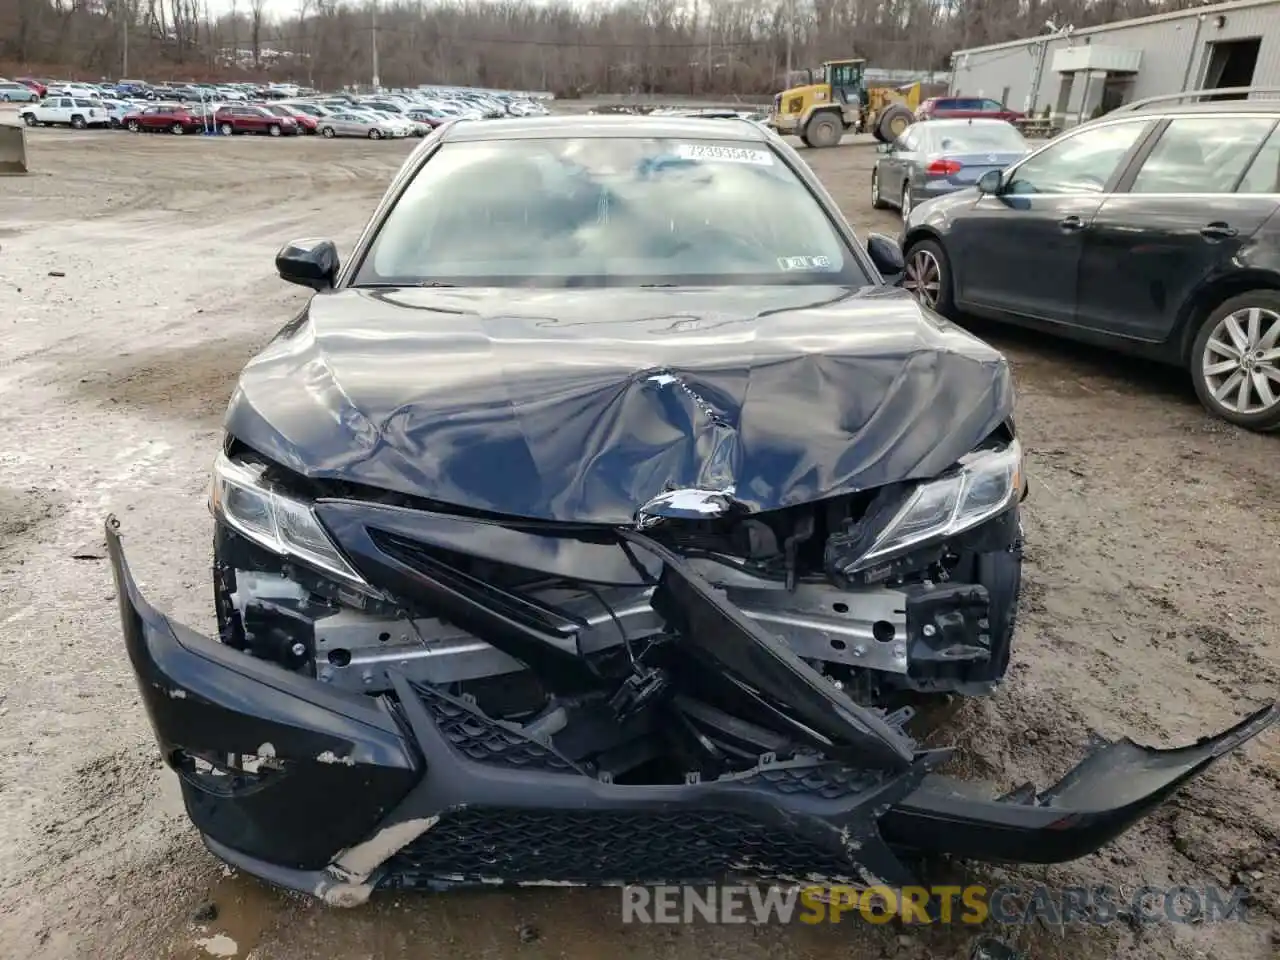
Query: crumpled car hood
(584, 405)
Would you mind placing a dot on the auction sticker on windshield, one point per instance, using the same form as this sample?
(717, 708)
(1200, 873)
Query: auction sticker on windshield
(700, 151)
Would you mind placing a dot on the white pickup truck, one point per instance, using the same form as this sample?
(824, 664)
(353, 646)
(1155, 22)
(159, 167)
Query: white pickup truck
(74, 111)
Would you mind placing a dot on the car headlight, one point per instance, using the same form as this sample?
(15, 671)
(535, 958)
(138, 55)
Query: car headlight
(987, 483)
(245, 502)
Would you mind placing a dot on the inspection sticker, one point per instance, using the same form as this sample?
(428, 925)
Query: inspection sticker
(805, 263)
(700, 151)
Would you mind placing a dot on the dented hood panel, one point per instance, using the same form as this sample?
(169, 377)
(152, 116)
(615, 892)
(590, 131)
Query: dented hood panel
(583, 405)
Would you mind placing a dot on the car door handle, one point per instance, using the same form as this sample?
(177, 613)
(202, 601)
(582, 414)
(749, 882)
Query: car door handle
(1218, 231)
(1071, 223)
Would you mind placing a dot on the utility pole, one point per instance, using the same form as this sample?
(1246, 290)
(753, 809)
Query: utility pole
(791, 29)
(374, 8)
(124, 39)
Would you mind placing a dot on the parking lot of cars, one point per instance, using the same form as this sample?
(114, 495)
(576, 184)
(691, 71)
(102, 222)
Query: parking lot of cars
(1142, 584)
(275, 111)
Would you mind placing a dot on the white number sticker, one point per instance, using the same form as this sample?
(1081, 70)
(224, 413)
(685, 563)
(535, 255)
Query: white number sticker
(700, 151)
(804, 263)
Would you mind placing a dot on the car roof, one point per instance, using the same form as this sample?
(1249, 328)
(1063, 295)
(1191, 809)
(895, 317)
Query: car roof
(664, 128)
(1209, 107)
(958, 123)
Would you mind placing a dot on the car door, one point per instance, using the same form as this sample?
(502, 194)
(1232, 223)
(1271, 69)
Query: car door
(1179, 219)
(63, 107)
(1017, 252)
(896, 163)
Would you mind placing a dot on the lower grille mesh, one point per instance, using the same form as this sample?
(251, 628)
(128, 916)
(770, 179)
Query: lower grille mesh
(598, 847)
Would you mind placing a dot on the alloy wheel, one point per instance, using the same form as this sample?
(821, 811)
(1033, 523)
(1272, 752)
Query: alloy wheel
(1241, 361)
(923, 277)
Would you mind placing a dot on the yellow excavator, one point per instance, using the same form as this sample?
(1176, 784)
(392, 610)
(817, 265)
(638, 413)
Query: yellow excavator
(837, 100)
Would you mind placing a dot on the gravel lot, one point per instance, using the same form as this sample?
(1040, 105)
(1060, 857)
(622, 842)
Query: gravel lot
(136, 278)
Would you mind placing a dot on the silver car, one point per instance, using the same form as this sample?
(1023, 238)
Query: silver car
(12, 92)
(940, 157)
(349, 123)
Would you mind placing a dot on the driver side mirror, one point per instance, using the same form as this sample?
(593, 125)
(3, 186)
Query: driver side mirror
(308, 263)
(886, 255)
(991, 182)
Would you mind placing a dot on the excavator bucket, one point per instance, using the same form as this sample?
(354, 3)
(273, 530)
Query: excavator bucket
(13, 149)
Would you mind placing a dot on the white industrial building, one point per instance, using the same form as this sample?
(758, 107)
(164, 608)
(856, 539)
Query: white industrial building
(1078, 74)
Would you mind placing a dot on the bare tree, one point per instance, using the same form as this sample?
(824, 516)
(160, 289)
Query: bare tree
(255, 30)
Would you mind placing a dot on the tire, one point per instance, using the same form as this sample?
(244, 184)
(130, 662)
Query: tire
(177, 130)
(375, 134)
(77, 122)
(274, 130)
(1219, 368)
(29, 119)
(226, 129)
(934, 280)
(876, 200)
(328, 133)
(4, 97)
(804, 139)
(892, 123)
(823, 130)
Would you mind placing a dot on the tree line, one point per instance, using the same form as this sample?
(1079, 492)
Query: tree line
(716, 47)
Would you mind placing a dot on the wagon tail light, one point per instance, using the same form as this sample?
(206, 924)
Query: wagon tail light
(943, 168)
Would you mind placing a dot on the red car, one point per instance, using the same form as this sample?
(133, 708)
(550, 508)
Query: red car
(962, 108)
(254, 118)
(172, 117)
(306, 123)
(34, 84)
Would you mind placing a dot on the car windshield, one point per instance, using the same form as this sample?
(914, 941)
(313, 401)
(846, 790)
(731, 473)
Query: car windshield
(607, 211)
(979, 137)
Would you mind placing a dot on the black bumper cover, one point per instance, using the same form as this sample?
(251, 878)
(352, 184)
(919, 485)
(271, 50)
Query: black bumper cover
(348, 793)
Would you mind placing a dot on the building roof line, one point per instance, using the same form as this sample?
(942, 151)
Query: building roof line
(1184, 14)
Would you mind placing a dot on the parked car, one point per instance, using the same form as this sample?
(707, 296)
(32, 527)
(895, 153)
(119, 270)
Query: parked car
(174, 118)
(253, 118)
(350, 123)
(12, 91)
(610, 629)
(962, 108)
(399, 124)
(117, 110)
(39, 86)
(1154, 231)
(305, 121)
(933, 159)
(76, 112)
(135, 90)
(82, 90)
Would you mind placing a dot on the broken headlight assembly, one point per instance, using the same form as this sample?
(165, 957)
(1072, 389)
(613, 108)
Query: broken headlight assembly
(985, 484)
(241, 497)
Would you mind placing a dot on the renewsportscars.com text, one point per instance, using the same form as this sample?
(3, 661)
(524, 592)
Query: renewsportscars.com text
(973, 904)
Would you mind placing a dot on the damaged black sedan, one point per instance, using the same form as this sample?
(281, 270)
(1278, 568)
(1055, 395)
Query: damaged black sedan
(598, 521)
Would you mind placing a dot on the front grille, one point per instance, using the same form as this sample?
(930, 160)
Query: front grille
(512, 845)
(484, 740)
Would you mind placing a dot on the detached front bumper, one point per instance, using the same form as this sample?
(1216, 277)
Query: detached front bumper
(336, 793)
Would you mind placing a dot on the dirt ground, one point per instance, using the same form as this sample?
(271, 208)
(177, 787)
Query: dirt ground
(136, 278)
